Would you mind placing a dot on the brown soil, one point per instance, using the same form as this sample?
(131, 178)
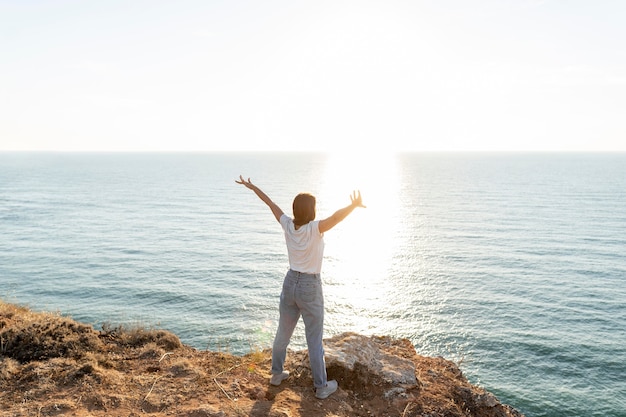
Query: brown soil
(51, 365)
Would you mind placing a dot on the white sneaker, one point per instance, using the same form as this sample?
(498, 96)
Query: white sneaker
(276, 379)
(324, 392)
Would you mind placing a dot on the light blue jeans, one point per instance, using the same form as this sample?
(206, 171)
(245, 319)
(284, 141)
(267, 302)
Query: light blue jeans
(301, 295)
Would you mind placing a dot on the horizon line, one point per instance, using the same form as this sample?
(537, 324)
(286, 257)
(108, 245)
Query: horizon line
(198, 151)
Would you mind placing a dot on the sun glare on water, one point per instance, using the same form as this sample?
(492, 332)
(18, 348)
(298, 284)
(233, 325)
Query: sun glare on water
(359, 251)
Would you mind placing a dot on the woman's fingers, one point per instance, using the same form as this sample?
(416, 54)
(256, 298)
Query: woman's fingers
(244, 182)
(356, 198)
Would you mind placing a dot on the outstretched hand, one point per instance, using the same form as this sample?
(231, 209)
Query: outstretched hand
(248, 183)
(356, 199)
(276, 211)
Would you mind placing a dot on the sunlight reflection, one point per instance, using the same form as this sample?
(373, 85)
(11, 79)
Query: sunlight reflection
(360, 250)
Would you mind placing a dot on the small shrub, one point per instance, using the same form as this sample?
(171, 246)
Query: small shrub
(151, 351)
(140, 336)
(48, 337)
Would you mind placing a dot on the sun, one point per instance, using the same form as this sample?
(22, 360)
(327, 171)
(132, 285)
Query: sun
(360, 250)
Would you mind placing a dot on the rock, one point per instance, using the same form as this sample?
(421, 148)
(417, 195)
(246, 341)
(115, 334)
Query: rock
(487, 400)
(358, 361)
(480, 402)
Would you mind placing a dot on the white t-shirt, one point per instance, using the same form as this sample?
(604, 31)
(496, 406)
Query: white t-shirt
(305, 246)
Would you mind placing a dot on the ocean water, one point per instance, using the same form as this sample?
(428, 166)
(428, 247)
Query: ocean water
(513, 265)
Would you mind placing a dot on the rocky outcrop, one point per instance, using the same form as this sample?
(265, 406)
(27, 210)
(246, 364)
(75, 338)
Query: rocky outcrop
(385, 369)
(359, 361)
(51, 365)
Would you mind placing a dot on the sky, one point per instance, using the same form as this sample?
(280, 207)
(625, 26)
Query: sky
(340, 75)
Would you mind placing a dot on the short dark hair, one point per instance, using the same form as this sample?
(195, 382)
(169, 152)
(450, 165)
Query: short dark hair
(303, 209)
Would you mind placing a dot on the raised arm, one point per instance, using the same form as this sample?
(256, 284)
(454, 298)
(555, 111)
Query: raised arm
(276, 211)
(332, 221)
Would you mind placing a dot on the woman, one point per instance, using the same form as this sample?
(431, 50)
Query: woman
(302, 288)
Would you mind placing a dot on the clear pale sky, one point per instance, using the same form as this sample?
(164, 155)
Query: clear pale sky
(317, 75)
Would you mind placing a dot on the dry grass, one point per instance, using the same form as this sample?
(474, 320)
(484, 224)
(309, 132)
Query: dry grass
(138, 336)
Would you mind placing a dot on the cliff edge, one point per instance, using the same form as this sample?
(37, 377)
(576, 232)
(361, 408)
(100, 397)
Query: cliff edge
(51, 365)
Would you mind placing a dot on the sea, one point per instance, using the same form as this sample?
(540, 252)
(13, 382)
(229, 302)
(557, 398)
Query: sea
(513, 265)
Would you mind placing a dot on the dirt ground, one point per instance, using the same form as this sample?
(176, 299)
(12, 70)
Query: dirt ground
(51, 365)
